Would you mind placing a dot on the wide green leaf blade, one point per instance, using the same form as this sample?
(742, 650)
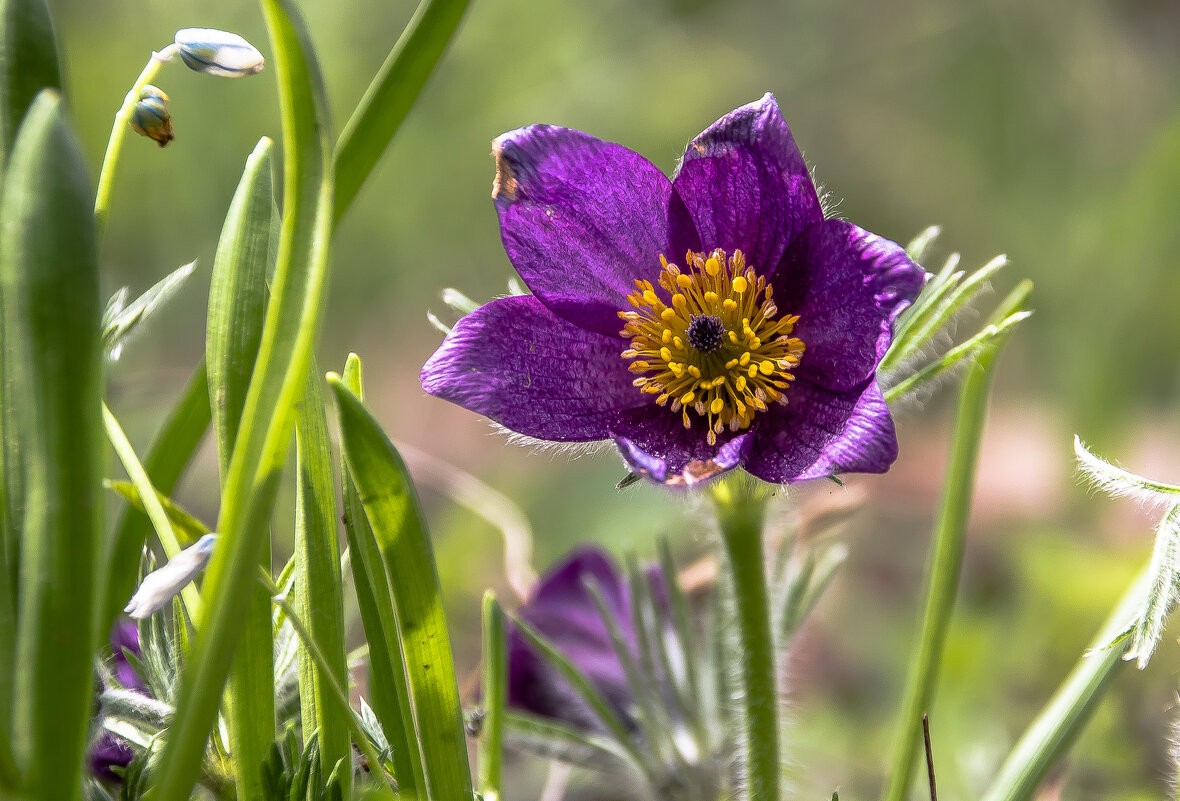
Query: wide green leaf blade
(28, 64)
(292, 320)
(392, 508)
(387, 661)
(391, 95)
(49, 286)
(318, 591)
(237, 304)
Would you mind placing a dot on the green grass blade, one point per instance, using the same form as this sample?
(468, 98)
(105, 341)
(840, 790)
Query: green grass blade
(319, 595)
(292, 320)
(28, 64)
(392, 93)
(49, 285)
(392, 508)
(237, 305)
(495, 698)
(166, 460)
(387, 662)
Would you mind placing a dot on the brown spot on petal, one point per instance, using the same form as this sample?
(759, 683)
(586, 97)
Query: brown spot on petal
(505, 183)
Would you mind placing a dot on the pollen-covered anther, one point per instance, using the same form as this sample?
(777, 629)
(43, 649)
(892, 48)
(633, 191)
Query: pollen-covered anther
(713, 343)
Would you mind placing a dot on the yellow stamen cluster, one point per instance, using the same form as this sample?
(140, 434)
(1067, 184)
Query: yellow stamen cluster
(712, 341)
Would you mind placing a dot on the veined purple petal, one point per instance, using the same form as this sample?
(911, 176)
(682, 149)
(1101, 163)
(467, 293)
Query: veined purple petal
(563, 610)
(654, 443)
(519, 364)
(847, 285)
(822, 433)
(581, 219)
(747, 186)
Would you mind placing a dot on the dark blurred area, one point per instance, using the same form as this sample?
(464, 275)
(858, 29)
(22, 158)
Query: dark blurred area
(1049, 131)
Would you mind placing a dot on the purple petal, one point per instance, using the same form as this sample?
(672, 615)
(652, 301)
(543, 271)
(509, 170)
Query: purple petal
(847, 285)
(563, 610)
(125, 638)
(747, 185)
(581, 219)
(519, 364)
(654, 443)
(109, 752)
(822, 433)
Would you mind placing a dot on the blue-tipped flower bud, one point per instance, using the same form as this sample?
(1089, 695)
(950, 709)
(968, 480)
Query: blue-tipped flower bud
(218, 52)
(150, 116)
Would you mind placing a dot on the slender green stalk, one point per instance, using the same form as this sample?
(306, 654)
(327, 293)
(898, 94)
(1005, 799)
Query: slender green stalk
(740, 511)
(1057, 725)
(943, 581)
(150, 500)
(495, 691)
(166, 459)
(110, 160)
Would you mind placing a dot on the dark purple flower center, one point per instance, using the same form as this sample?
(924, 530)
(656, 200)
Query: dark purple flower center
(705, 332)
(717, 345)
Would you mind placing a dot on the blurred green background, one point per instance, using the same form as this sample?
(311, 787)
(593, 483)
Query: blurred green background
(1047, 130)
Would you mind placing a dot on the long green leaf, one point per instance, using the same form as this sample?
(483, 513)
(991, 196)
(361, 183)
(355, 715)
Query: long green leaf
(169, 454)
(28, 64)
(495, 692)
(387, 661)
(391, 95)
(237, 304)
(292, 320)
(49, 285)
(318, 592)
(392, 508)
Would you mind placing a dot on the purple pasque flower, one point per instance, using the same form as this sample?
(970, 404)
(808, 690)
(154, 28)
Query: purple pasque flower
(759, 349)
(562, 609)
(112, 751)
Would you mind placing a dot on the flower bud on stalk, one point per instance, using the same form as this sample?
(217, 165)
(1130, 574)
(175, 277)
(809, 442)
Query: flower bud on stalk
(215, 52)
(150, 116)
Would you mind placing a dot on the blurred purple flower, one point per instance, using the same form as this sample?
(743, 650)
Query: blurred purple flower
(759, 350)
(112, 751)
(562, 610)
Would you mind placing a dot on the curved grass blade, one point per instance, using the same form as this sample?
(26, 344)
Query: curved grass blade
(392, 508)
(237, 305)
(392, 93)
(49, 285)
(28, 64)
(318, 587)
(164, 464)
(292, 320)
(387, 661)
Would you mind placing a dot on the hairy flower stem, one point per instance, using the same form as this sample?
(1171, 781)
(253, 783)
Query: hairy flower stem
(740, 512)
(943, 580)
(1053, 731)
(106, 177)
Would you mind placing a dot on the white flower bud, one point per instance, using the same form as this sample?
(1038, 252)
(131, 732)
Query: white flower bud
(218, 52)
(160, 586)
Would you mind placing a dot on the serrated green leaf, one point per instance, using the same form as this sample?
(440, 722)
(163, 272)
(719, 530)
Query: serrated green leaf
(391, 95)
(292, 320)
(387, 661)
(393, 511)
(51, 309)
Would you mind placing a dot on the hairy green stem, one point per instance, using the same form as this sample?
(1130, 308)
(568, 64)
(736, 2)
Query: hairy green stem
(740, 512)
(943, 579)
